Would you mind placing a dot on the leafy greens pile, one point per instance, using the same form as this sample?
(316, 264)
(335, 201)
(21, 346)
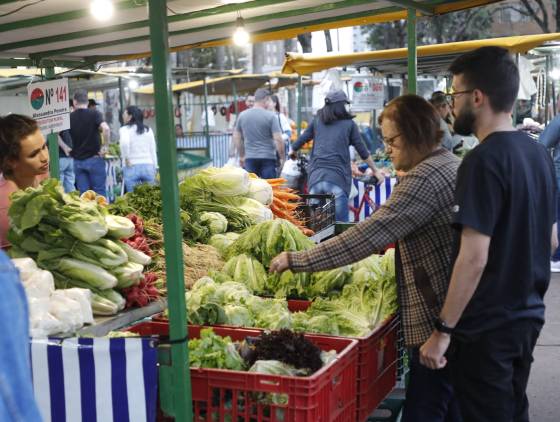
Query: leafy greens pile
(77, 240)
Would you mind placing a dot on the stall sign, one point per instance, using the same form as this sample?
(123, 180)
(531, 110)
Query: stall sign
(367, 93)
(49, 105)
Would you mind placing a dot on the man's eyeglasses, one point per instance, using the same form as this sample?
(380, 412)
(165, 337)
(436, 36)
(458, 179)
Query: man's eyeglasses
(451, 97)
(391, 141)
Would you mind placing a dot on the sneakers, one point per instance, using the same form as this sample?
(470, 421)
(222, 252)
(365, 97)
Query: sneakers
(555, 266)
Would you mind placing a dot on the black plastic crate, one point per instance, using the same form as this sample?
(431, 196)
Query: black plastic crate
(317, 211)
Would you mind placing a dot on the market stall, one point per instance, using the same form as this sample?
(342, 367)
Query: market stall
(200, 25)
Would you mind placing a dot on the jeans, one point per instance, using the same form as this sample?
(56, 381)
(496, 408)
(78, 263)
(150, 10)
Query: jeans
(90, 175)
(265, 168)
(138, 174)
(17, 402)
(67, 177)
(429, 396)
(490, 372)
(340, 198)
(556, 254)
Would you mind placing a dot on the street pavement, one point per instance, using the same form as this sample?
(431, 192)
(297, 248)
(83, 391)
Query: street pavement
(544, 383)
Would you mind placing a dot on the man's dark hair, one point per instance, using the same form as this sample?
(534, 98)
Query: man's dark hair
(80, 97)
(493, 71)
(333, 112)
(417, 122)
(13, 129)
(438, 98)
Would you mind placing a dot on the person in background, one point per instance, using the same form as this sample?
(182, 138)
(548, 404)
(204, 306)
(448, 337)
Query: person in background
(439, 101)
(282, 121)
(250, 101)
(179, 131)
(550, 138)
(92, 104)
(257, 138)
(333, 131)
(505, 210)
(138, 149)
(66, 163)
(417, 217)
(89, 165)
(24, 162)
(17, 402)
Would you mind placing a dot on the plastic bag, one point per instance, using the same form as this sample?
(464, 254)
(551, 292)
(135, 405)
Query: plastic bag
(68, 311)
(83, 297)
(39, 285)
(26, 267)
(291, 168)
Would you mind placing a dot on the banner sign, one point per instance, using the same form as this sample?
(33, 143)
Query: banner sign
(368, 93)
(49, 105)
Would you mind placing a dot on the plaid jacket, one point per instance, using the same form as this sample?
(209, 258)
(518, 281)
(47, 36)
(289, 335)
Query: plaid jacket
(418, 216)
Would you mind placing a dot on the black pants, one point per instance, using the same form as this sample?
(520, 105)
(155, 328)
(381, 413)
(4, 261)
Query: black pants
(490, 372)
(429, 394)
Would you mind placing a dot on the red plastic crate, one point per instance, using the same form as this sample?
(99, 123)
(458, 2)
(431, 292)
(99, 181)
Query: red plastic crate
(377, 362)
(327, 395)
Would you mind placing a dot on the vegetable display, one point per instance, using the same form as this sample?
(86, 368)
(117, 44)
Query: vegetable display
(362, 296)
(77, 239)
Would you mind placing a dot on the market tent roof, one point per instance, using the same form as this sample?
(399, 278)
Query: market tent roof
(432, 59)
(66, 34)
(223, 85)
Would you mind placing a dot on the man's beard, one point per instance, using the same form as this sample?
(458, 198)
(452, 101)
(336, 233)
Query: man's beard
(464, 122)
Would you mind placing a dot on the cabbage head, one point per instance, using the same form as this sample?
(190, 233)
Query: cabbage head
(215, 222)
(238, 316)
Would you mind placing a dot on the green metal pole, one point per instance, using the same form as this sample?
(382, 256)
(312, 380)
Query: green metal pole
(299, 105)
(52, 140)
(234, 92)
(167, 158)
(412, 62)
(121, 98)
(206, 125)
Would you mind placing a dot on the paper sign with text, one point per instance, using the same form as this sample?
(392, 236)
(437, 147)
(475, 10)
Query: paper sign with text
(368, 93)
(49, 105)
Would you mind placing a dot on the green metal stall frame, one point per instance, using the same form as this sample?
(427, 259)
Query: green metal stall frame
(176, 393)
(178, 372)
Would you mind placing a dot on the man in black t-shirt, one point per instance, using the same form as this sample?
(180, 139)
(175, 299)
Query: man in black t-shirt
(505, 211)
(89, 166)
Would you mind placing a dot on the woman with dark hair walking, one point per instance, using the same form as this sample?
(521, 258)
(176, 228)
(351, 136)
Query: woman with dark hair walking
(138, 149)
(333, 131)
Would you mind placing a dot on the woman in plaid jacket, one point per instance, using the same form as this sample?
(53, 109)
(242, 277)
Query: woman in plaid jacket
(417, 218)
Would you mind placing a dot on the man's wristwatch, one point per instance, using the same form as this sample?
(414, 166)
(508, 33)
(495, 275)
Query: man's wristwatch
(442, 327)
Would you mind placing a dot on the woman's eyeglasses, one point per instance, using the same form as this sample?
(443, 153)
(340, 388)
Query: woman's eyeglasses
(391, 141)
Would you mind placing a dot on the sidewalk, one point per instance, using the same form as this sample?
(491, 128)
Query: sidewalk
(544, 385)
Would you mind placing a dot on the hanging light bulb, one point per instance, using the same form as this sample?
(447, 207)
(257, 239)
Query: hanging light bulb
(555, 74)
(101, 9)
(133, 84)
(240, 36)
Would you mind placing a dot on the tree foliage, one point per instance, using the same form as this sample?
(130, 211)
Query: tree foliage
(459, 26)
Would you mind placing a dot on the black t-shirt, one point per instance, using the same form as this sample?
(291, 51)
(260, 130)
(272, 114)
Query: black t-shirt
(506, 189)
(84, 130)
(67, 139)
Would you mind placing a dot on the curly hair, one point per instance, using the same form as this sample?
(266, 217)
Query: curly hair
(13, 129)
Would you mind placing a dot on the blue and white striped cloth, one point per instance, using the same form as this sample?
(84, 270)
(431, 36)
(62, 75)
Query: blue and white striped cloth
(378, 195)
(95, 380)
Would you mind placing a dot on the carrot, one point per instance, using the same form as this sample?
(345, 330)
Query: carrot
(287, 196)
(277, 181)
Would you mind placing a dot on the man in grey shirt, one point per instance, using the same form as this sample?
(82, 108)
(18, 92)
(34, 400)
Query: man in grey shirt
(258, 138)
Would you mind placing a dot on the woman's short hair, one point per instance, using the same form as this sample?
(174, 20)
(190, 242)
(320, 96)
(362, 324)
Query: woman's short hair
(417, 122)
(13, 129)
